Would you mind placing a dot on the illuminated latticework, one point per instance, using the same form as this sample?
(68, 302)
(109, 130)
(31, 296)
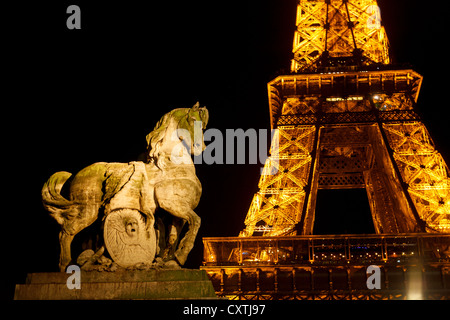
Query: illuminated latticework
(333, 127)
(336, 31)
(344, 119)
(327, 140)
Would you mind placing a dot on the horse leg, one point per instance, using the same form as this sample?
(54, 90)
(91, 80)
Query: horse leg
(173, 238)
(71, 228)
(65, 240)
(175, 230)
(187, 243)
(160, 236)
(193, 220)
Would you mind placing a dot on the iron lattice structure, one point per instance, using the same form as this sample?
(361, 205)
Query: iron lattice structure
(344, 118)
(350, 130)
(331, 32)
(329, 267)
(350, 124)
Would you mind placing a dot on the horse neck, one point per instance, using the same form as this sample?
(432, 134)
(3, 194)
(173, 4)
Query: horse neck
(173, 150)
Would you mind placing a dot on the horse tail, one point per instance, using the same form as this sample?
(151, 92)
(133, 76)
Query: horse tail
(59, 207)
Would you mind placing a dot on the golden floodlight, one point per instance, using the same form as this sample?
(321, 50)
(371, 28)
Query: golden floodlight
(336, 30)
(344, 118)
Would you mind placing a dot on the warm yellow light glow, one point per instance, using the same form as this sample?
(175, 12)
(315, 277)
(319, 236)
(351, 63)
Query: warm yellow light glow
(415, 286)
(415, 295)
(334, 99)
(340, 29)
(338, 96)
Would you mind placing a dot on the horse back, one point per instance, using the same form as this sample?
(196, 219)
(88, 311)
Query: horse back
(87, 184)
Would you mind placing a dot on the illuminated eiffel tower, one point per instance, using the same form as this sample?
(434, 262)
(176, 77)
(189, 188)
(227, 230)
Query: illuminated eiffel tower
(345, 118)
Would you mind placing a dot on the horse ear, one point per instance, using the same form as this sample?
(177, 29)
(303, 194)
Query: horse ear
(204, 115)
(196, 106)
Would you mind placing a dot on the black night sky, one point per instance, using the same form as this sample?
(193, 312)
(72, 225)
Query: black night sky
(75, 97)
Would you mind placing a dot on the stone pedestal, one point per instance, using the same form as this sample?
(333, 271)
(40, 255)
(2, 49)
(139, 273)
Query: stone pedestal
(123, 285)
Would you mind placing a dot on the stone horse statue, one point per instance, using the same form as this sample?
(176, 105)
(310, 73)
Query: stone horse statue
(124, 196)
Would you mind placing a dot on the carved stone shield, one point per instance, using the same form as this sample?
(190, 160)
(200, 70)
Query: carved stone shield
(127, 238)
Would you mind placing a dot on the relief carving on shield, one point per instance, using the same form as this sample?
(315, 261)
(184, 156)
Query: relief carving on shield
(127, 238)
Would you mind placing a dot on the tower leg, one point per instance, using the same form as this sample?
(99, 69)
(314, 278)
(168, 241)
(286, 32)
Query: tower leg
(307, 217)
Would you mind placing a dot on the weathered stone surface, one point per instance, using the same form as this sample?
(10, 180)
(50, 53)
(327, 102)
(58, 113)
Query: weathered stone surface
(125, 197)
(127, 238)
(152, 284)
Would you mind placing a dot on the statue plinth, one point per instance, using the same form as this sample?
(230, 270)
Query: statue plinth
(120, 285)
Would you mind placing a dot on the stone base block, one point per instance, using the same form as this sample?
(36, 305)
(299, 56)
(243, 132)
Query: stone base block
(123, 285)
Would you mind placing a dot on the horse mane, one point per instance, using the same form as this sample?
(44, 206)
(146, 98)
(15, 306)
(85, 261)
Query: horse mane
(204, 115)
(155, 139)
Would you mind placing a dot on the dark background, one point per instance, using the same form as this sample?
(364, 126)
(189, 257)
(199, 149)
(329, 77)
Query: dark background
(75, 97)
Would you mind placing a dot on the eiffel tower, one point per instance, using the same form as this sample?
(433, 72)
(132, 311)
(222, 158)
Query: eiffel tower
(345, 118)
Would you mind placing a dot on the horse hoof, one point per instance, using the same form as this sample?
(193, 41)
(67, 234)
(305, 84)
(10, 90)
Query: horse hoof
(171, 264)
(172, 239)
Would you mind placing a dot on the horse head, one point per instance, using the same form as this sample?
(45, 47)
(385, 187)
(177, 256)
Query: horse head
(194, 123)
(183, 125)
